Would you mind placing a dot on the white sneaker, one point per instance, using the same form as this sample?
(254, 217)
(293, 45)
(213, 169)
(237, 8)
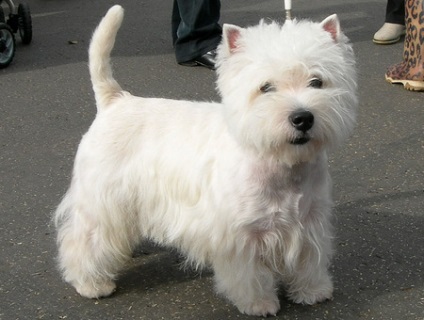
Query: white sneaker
(389, 33)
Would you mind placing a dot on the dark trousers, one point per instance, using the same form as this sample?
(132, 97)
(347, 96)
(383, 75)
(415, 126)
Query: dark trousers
(395, 11)
(195, 28)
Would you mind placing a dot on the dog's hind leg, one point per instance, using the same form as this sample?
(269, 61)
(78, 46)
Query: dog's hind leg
(90, 253)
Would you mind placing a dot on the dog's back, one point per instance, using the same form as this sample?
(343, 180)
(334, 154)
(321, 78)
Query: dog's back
(104, 85)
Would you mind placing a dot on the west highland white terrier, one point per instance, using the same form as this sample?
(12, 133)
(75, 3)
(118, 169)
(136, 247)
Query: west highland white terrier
(242, 186)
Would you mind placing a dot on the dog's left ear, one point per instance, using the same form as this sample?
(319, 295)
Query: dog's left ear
(231, 35)
(331, 24)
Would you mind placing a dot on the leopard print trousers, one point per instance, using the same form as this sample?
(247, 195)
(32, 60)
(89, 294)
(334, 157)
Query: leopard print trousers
(412, 66)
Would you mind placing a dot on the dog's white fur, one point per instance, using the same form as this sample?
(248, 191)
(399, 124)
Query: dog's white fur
(223, 183)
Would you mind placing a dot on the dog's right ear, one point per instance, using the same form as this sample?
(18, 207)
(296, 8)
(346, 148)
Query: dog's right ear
(231, 35)
(331, 24)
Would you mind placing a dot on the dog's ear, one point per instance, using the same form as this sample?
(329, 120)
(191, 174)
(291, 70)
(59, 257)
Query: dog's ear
(231, 34)
(331, 24)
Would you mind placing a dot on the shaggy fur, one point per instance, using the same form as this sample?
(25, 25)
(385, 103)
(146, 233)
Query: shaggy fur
(234, 185)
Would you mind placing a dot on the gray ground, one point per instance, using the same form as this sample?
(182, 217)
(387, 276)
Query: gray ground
(46, 105)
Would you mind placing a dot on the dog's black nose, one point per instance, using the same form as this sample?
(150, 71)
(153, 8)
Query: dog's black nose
(302, 120)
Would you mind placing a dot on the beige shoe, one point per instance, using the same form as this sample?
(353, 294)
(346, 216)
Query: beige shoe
(389, 33)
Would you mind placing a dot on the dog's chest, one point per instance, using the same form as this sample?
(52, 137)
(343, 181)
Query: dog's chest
(281, 190)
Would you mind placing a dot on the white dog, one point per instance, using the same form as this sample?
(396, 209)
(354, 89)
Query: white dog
(242, 186)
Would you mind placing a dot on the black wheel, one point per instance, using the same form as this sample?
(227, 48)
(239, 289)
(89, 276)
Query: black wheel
(25, 23)
(2, 17)
(7, 45)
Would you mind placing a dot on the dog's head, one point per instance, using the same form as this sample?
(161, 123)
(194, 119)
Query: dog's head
(289, 91)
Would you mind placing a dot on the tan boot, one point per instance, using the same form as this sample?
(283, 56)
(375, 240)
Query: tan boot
(410, 72)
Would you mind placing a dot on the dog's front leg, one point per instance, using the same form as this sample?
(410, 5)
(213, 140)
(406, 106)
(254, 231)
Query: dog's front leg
(310, 286)
(248, 283)
(308, 280)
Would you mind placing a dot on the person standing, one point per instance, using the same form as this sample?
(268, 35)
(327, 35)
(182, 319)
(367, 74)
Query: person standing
(196, 32)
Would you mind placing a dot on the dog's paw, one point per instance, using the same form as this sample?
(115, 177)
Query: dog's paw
(312, 296)
(103, 289)
(262, 307)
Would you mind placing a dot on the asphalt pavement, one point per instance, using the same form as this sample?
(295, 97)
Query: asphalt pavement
(46, 104)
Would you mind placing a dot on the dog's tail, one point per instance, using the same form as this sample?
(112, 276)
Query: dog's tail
(104, 85)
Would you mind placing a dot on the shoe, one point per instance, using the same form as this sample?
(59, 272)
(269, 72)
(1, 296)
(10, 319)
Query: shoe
(407, 73)
(411, 85)
(389, 33)
(207, 60)
(402, 73)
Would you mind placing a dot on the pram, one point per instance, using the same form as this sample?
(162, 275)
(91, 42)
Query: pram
(19, 19)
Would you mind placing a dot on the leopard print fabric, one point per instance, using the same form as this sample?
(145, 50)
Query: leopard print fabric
(412, 66)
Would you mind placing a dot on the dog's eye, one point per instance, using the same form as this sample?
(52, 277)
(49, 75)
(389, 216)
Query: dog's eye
(267, 87)
(315, 83)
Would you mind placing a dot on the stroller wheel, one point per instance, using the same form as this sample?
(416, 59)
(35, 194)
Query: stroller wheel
(7, 45)
(25, 23)
(2, 17)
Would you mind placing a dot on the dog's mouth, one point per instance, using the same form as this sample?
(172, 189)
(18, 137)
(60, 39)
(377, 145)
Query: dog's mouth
(300, 140)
